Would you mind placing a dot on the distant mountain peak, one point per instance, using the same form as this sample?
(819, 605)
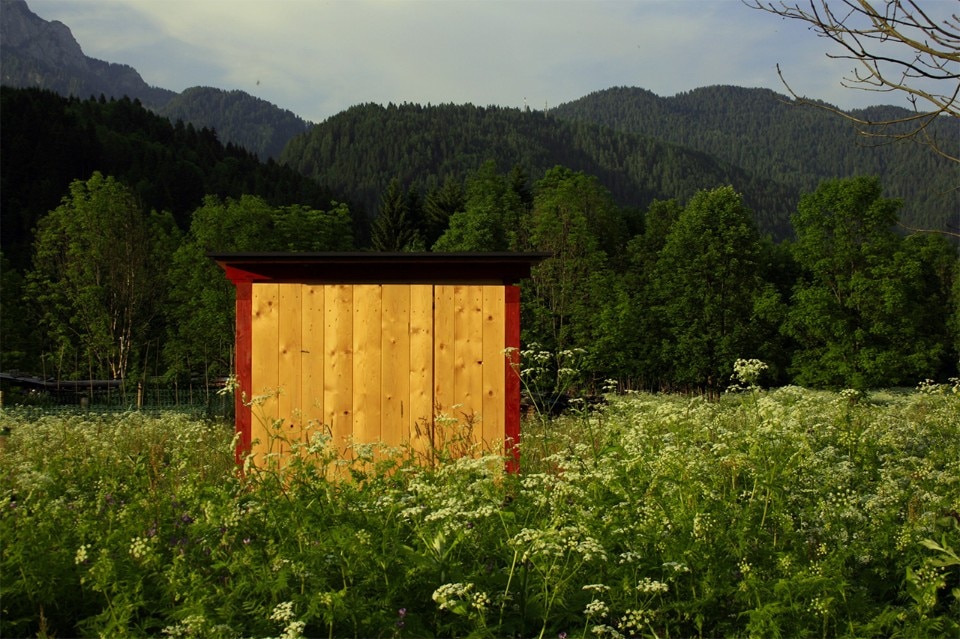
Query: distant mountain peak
(44, 54)
(51, 42)
(37, 53)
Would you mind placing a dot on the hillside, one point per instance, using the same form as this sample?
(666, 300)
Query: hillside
(50, 140)
(238, 117)
(769, 136)
(360, 150)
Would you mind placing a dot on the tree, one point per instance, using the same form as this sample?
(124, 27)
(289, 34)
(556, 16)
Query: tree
(574, 219)
(17, 329)
(96, 274)
(645, 330)
(898, 47)
(861, 312)
(490, 217)
(395, 228)
(953, 319)
(439, 205)
(200, 316)
(709, 290)
(934, 290)
(301, 228)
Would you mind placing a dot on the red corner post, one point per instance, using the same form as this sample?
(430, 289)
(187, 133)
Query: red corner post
(244, 362)
(512, 380)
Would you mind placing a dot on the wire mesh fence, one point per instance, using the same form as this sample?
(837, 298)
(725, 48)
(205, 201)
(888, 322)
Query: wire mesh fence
(99, 396)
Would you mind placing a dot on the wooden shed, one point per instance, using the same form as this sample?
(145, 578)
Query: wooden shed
(374, 347)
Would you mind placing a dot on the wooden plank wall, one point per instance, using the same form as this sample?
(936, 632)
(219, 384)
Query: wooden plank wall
(373, 362)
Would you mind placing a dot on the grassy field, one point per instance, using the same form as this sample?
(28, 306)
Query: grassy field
(786, 513)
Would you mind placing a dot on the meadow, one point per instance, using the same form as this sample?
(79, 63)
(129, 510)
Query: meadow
(763, 513)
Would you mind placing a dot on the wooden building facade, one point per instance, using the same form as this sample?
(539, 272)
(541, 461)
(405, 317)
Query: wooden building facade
(375, 347)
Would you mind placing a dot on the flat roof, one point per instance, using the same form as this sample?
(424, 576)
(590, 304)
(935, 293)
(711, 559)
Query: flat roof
(378, 268)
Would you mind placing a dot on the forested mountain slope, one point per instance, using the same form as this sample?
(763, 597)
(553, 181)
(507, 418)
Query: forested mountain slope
(49, 141)
(361, 149)
(771, 137)
(238, 117)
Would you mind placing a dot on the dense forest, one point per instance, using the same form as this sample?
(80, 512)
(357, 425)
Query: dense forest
(771, 137)
(361, 149)
(641, 147)
(109, 212)
(49, 140)
(238, 117)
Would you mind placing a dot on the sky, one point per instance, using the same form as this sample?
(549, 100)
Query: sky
(319, 57)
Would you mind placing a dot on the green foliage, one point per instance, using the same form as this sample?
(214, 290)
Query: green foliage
(358, 150)
(770, 137)
(17, 338)
(441, 203)
(615, 287)
(656, 516)
(96, 269)
(642, 329)
(239, 118)
(575, 220)
(491, 215)
(50, 141)
(953, 319)
(200, 315)
(862, 313)
(396, 228)
(709, 290)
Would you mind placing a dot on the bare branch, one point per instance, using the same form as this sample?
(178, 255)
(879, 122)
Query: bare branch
(935, 231)
(899, 47)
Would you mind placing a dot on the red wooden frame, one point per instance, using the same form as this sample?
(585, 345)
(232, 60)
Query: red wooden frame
(244, 368)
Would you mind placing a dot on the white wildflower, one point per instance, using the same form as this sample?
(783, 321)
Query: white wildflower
(596, 609)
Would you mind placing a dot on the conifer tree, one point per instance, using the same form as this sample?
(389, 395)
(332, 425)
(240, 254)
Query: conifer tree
(439, 205)
(394, 229)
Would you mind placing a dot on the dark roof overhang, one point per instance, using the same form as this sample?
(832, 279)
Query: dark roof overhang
(379, 268)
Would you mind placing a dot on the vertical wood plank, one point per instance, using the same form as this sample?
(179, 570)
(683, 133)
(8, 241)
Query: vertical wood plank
(338, 362)
(395, 364)
(288, 373)
(264, 376)
(420, 423)
(493, 365)
(511, 395)
(367, 312)
(312, 355)
(468, 357)
(444, 365)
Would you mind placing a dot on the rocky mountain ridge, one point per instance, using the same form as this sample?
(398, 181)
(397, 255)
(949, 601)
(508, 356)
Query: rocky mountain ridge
(44, 54)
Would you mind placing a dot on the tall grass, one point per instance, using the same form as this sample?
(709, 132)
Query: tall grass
(784, 513)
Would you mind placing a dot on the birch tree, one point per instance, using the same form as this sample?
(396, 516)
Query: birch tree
(95, 276)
